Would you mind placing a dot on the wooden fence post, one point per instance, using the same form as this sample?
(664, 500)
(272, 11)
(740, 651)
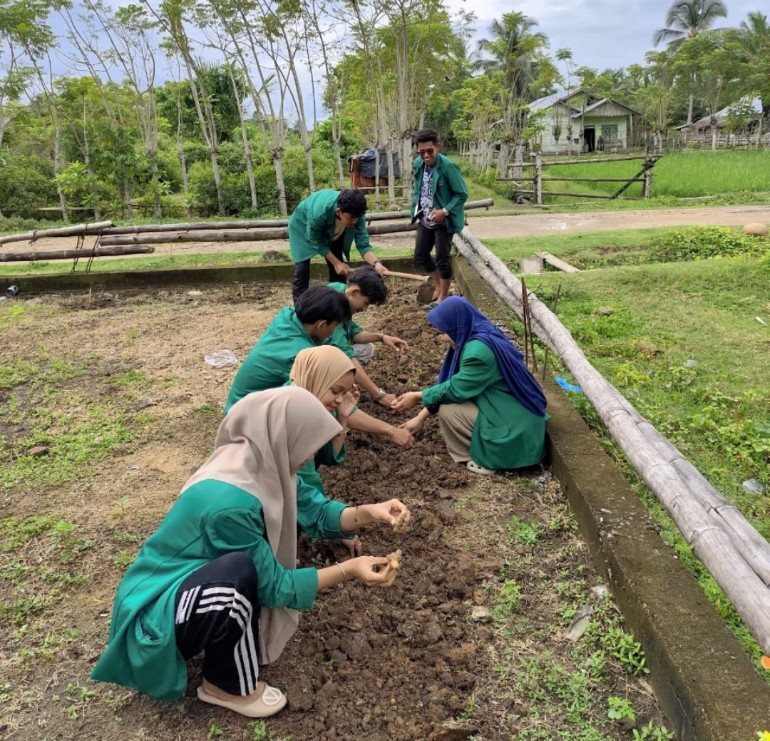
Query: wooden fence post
(647, 186)
(538, 180)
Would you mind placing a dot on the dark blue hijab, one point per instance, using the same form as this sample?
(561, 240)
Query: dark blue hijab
(464, 322)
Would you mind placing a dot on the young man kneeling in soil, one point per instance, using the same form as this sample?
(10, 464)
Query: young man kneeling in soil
(318, 313)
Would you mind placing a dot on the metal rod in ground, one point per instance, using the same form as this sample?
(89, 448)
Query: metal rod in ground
(553, 309)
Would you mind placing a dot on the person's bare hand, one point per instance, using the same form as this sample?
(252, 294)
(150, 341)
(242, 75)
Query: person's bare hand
(381, 269)
(387, 400)
(372, 570)
(349, 402)
(407, 401)
(401, 437)
(354, 545)
(438, 216)
(398, 345)
(413, 425)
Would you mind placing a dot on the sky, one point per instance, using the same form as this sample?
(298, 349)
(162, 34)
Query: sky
(601, 33)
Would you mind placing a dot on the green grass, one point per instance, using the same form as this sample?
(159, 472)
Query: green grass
(681, 175)
(60, 405)
(683, 345)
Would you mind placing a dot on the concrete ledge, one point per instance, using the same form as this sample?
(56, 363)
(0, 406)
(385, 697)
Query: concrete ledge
(705, 683)
(111, 280)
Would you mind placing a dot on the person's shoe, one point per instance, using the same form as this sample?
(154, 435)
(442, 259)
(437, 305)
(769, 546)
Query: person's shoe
(474, 467)
(270, 702)
(431, 305)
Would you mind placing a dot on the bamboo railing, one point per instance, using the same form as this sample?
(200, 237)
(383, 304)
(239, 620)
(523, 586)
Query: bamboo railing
(730, 548)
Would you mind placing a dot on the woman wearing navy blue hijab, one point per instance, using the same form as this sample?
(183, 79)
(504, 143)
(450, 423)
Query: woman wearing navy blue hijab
(490, 407)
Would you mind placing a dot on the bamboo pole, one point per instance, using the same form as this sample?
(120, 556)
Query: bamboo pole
(64, 231)
(137, 249)
(261, 224)
(730, 561)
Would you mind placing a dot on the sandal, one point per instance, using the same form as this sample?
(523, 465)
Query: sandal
(474, 467)
(270, 702)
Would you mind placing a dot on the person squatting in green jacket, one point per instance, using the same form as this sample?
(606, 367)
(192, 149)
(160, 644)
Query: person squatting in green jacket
(437, 205)
(326, 223)
(220, 573)
(328, 374)
(491, 409)
(315, 321)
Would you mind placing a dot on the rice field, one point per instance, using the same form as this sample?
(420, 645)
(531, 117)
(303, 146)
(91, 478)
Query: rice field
(679, 175)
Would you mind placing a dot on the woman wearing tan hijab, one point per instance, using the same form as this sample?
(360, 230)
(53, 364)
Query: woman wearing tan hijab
(328, 374)
(219, 573)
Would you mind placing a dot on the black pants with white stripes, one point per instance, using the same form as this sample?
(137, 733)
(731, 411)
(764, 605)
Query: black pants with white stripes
(217, 611)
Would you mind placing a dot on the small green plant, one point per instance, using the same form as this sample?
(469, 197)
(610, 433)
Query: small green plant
(651, 732)
(521, 532)
(214, 731)
(620, 709)
(626, 650)
(509, 600)
(258, 730)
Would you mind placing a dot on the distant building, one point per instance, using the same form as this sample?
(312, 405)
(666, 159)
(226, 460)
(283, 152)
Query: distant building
(579, 122)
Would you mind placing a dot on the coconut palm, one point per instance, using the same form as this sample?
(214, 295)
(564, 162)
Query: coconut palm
(513, 50)
(685, 20)
(755, 39)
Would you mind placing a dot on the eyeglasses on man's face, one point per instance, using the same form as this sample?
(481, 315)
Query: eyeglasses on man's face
(426, 152)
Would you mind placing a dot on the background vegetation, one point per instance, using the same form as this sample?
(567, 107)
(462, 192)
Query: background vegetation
(173, 108)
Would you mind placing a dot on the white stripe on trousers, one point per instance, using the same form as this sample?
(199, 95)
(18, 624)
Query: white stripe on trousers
(245, 651)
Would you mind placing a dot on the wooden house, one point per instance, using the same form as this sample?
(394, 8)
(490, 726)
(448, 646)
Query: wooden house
(579, 122)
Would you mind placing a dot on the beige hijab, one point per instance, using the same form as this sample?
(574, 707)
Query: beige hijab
(317, 369)
(264, 438)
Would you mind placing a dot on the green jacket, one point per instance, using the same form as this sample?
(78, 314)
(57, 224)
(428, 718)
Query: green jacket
(268, 365)
(209, 520)
(505, 435)
(448, 188)
(311, 228)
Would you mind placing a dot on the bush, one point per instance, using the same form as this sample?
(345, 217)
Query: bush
(26, 184)
(700, 242)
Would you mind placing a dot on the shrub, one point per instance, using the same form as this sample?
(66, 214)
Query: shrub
(699, 242)
(27, 183)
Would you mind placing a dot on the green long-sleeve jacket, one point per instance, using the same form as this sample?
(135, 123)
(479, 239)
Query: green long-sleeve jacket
(506, 435)
(311, 228)
(268, 365)
(448, 189)
(209, 520)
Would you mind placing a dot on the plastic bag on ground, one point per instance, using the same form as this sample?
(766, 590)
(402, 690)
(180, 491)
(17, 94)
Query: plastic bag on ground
(221, 359)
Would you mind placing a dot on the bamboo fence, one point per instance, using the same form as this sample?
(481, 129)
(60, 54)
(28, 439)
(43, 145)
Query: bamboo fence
(730, 548)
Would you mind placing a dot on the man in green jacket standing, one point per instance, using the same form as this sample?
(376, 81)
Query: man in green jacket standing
(437, 203)
(326, 223)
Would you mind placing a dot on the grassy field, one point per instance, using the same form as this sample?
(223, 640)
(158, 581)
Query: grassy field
(726, 173)
(687, 344)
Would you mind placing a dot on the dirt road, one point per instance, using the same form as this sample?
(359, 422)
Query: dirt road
(483, 226)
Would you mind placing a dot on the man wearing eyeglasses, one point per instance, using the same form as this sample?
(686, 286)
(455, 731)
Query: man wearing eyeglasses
(437, 203)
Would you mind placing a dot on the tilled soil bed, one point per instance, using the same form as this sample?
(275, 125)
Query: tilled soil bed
(114, 390)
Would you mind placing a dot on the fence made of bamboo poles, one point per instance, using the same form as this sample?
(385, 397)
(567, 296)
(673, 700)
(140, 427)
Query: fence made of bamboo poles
(729, 547)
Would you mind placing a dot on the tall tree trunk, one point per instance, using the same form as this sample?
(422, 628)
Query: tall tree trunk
(277, 155)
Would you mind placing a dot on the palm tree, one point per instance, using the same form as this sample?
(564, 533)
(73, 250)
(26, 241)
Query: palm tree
(512, 50)
(685, 20)
(755, 38)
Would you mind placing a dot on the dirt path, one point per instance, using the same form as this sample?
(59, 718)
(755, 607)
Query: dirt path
(484, 227)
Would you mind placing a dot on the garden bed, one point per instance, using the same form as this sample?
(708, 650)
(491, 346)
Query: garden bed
(108, 406)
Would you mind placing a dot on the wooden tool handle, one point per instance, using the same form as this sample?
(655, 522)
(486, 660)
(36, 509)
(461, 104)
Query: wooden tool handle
(408, 276)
